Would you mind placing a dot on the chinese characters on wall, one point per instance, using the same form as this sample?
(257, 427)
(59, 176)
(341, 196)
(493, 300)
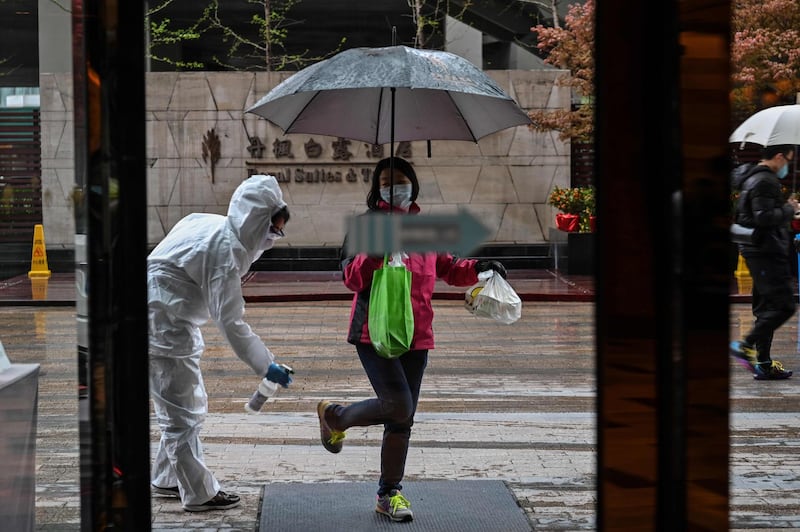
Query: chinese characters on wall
(339, 153)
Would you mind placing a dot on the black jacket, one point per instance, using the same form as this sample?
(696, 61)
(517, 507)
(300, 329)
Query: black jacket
(762, 205)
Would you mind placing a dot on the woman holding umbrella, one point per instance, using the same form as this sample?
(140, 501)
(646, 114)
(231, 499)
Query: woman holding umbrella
(396, 381)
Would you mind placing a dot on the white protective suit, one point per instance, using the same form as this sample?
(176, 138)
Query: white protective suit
(195, 274)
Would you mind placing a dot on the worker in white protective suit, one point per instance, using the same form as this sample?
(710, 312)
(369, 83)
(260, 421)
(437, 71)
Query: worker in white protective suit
(194, 275)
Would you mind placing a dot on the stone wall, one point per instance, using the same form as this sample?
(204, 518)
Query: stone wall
(504, 179)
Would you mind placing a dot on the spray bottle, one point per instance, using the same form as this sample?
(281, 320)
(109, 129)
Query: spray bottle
(266, 389)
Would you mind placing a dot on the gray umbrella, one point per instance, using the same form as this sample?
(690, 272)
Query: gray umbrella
(391, 94)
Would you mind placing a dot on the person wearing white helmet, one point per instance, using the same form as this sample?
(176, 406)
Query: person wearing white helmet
(194, 274)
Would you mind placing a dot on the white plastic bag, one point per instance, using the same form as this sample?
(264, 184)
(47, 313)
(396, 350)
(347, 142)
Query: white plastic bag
(398, 259)
(492, 297)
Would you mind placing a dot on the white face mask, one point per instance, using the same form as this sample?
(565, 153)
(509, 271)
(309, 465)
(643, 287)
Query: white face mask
(269, 238)
(266, 243)
(401, 197)
(273, 233)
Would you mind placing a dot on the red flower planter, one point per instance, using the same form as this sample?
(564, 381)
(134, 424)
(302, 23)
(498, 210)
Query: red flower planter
(568, 222)
(592, 221)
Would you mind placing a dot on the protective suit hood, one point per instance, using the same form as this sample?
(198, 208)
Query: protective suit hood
(251, 209)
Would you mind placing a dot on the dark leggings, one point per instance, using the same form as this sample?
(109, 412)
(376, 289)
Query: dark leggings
(773, 300)
(396, 383)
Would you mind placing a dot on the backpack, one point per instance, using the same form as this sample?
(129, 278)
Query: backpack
(739, 175)
(743, 231)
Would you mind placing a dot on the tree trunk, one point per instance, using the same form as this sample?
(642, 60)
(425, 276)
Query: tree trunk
(267, 36)
(554, 9)
(419, 38)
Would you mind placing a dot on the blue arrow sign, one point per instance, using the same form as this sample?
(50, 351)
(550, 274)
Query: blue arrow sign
(379, 234)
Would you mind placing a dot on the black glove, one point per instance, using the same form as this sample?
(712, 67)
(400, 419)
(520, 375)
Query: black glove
(486, 265)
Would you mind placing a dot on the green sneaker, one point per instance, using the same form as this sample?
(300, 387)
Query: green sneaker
(745, 354)
(331, 439)
(394, 506)
(771, 371)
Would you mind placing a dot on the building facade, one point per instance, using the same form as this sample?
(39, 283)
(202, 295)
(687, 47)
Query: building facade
(201, 145)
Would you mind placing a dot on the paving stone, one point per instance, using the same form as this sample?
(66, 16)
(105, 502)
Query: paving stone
(488, 410)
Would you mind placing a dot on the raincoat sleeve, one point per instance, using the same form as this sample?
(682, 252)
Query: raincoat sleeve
(226, 306)
(456, 272)
(357, 271)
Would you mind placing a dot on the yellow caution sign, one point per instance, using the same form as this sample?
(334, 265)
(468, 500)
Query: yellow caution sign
(39, 267)
(743, 277)
(39, 288)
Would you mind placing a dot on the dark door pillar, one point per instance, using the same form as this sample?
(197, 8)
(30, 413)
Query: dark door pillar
(662, 275)
(111, 249)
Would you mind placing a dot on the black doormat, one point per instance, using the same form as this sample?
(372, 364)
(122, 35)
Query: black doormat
(438, 506)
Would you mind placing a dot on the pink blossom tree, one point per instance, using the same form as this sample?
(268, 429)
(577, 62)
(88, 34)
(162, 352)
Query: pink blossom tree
(765, 61)
(765, 54)
(570, 48)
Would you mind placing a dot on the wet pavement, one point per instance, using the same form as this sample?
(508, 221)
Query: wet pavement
(506, 402)
(264, 286)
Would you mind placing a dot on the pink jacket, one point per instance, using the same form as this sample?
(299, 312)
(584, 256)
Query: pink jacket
(425, 269)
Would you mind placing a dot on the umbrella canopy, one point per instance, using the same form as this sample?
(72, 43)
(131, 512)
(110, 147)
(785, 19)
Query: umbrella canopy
(771, 126)
(437, 96)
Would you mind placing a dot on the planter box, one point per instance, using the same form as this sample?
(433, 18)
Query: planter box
(580, 253)
(572, 253)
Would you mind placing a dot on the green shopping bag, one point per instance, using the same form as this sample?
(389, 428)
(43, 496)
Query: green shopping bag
(390, 318)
